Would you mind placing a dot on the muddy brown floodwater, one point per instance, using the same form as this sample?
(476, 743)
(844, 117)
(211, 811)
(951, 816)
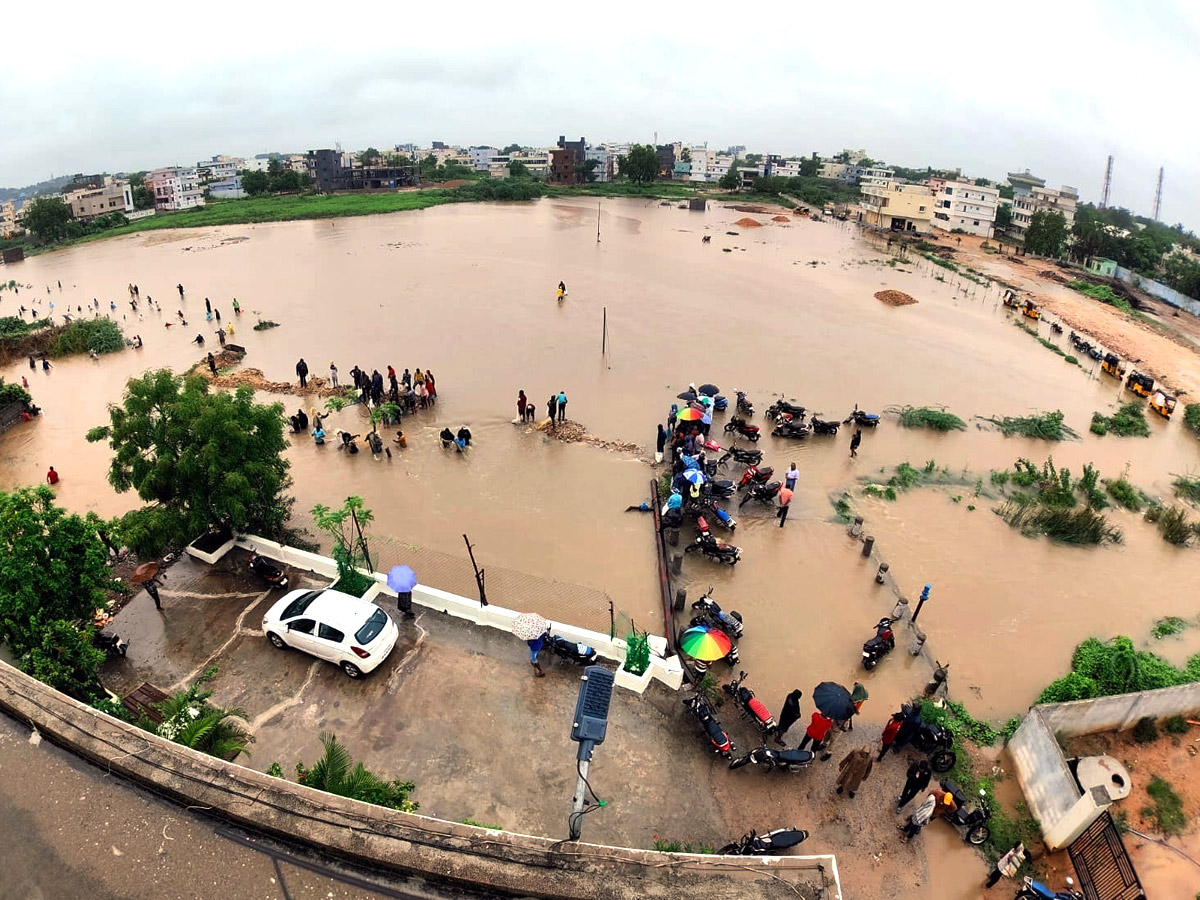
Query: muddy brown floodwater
(468, 290)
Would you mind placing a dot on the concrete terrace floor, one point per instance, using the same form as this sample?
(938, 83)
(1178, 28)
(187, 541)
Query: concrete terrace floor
(456, 709)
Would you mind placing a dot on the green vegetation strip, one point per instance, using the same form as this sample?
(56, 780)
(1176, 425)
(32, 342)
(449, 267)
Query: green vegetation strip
(1168, 626)
(1128, 421)
(1105, 668)
(1047, 426)
(1126, 494)
(1191, 417)
(1167, 809)
(1188, 488)
(936, 418)
(1104, 294)
(1173, 524)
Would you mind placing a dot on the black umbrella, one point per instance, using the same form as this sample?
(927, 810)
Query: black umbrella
(709, 390)
(833, 701)
(689, 396)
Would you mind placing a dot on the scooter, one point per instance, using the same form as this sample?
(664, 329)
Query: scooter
(112, 644)
(771, 759)
(705, 506)
(858, 417)
(879, 646)
(784, 407)
(820, 426)
(720, 403)
(744, 406)
(769, 844)
(267, 570)
(713, 489)
(573, 651)
(1035, 890)
(792, 429)
(717, 551)
(738, 424)
(970, 822)
(751, 707)
(729, 622)
(763, 493)
(720, 741)
(745, 457)
(754, 475)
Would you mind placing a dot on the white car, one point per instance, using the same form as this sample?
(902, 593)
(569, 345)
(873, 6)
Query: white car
(347, 631)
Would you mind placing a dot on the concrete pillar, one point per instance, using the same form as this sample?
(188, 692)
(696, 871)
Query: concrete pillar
(868, 545)
(676, 564)
(856, 529)
(672, 537)
(918, 641)
(680, 599)
(879, 575)
(900, 610)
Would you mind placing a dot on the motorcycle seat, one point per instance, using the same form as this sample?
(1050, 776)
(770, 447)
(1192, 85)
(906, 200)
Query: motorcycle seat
(796, 757)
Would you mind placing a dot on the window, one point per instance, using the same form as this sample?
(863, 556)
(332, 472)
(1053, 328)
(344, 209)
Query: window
(371, 629)
(330, 634)
(922, 209)
(976, 221)
(304, 626)
(299, 605)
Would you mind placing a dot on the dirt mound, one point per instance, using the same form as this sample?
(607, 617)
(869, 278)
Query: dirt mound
(575, 433)
(780, 219)
(254, 378)
(894, 298)
(1054, 276)
(751, 209)
(747, 222)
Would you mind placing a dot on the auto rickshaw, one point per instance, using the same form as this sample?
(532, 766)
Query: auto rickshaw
(1140, 384)
(1112, 365)
(1163, 403)
(1031, 311)
(1010, 299)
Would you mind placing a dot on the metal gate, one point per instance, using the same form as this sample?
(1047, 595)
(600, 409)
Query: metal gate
(1104, 869)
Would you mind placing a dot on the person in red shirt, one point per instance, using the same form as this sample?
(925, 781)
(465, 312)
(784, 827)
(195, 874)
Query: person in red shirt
(818, 732)
(52, 476)
(889, 734)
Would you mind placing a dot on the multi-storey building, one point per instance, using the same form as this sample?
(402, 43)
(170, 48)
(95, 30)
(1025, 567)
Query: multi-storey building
(8, 219)
(174, 188)
(965, 206)
(220, 168)
(88, 203)
(605, 162)
(481, 157)
(896, 207)
(1030, 195)
(331, 173)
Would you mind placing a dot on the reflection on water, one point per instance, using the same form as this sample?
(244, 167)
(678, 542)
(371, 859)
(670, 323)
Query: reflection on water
(468, 290)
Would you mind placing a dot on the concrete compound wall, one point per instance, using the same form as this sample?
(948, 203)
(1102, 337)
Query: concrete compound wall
(668, 670)
(1160, 290)
(386, 839)
(1050, 789)
(1120, 712)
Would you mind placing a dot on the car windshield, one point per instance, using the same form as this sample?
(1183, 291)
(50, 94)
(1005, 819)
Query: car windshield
(371, 630)
(299, 605)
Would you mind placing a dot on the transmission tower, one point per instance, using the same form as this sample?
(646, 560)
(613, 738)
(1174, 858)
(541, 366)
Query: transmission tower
(1158, 195)
(1107, 183)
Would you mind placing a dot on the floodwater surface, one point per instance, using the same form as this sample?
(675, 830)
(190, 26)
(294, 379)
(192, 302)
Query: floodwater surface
(468, 290)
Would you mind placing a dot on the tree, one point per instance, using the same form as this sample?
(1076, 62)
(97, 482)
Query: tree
(53, 574)
(843, 157)
(731, 180)
(189, 719)
(347, 525)
(810, 166)
(205, 459)
(1047, 233)
(1006, 191)
(517, 169)
(274, 167)
(287, 180)
(255, 182)
(754, 158)
(1139, 252)
(640, 164)
(981, 182)
(686, 155)
(511, 148)
(429, 167)
(336, 773)
(369, 157)
(142, 198)
(47, 218)
(586, 170)
(866, 163)
(1003, 215)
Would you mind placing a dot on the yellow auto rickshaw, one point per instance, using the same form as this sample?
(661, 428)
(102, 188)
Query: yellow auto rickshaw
(1031, 311)
(1010, 299)
(1140, 384)
(1162, 403)
(1112, 365)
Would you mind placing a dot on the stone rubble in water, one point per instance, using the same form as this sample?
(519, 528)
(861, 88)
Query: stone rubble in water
(570, 432)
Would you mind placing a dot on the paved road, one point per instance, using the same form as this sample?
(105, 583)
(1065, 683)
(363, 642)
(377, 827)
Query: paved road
(70, 830)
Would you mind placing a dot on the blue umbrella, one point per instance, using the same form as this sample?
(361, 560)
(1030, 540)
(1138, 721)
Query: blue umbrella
(695, 476)
(402, 579)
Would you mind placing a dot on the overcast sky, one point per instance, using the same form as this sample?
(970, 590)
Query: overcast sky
(1052, 86)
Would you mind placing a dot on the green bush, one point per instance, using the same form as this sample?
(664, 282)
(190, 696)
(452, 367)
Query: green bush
(1103, 293)
(84, 335)
(935, 418)
(1191, 417)
(1125, 494)
(1104, 668)
(1146, 730)
(1168, 626)
(1176, 725)
(1128, 421)
(1167, 810)
(1188, 488)
(1047, 426)
(13, 393)
(1173, 524)
(1078, 526)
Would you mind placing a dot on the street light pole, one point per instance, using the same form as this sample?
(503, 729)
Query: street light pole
(924, 596)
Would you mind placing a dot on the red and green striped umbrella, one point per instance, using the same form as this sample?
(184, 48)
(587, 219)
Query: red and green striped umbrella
(704, 643)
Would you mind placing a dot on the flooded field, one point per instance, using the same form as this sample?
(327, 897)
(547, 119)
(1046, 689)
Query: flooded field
(468, 290)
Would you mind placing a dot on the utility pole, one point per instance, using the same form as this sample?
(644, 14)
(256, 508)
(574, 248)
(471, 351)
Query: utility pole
(604, 334)
(598, 221)
(1158, 195)
(1107, 183)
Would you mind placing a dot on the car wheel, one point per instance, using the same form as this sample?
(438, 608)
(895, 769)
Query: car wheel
(276, 641)
(943, 760)
(979, 834)
(352, 670)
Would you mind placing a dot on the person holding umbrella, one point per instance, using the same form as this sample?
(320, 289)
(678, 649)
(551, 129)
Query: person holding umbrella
(402, 580)
(147, 575)
(532, 629)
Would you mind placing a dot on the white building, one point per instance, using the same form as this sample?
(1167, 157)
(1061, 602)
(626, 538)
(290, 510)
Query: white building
(227, 188)
(258, 164)
(481, 157)
(1030, 195)
(8, 219)
(219, 168)
(175, 188)
(536, 161)
(967, 207)
(605, 163)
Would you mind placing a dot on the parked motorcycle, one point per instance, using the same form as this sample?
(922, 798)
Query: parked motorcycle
(785, 407)
(744, 406)
(720, 403)
(769, 844)
(729, 622)
(268, 571)
(763, 493)
(720, 741)
(738, 455)
(792, 429)
(717, 551)
(1035, 890)
(879, 646)
(707, 506)
(113, 645)
(1056, 328)
(754, 475)
(714, 489)
(771, 759)
(1095, 352)
(969, 820)
(750, 706)
(572, 651)
(863, 419)
(936, 741)
(820, 426)
(738, 424)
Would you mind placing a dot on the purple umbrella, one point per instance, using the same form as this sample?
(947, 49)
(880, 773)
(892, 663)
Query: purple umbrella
(401, 579)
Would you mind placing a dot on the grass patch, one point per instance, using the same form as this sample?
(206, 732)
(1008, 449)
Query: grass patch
(1046, 426)
(1104, 294)
(1167, 809)
(1169, 625)
(1176, 725)
(662, 845)
(941, 261)
(1191, 417)
(1173, 524)
(936, 418)
(1128, 421)
(87, 335)
(1105, 668)
(1069, 526)
(1125, 494)
(479, 824)
(1187, 488)
(841, 508)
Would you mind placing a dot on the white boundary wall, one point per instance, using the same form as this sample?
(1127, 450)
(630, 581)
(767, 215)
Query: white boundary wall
(668, 670)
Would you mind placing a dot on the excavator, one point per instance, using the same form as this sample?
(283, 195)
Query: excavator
(1163, 403)
(1031, 311)
(1140, 384)
(1112, 365)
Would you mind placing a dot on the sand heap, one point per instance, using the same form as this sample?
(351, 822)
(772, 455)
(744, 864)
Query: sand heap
(254, 378)
(747, 222)
(780, 219)
(894, 298)
(574, 433)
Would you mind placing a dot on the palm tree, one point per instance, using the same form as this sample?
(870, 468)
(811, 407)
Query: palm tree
(337, 773)
(190, 720)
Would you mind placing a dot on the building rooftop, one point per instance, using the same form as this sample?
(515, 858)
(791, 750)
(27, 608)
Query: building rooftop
(1026, 178)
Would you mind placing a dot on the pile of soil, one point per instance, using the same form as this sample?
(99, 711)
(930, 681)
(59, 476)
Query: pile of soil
(751, 209)
(570, 432)
(747, 222)
(895, 298)
(316, 387)
(780, 219)
(1054, 276)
